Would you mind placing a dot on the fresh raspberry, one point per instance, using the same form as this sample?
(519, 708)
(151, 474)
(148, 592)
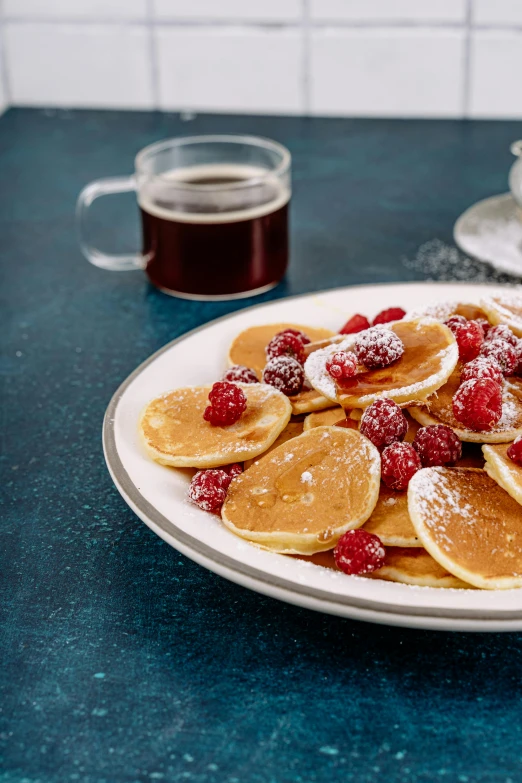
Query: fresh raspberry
(302, 336)
(502, 332)
(227, 403)
(233, 470)
(486, 326)
(357, 323)
(456, 320)
(383, 423)
(208, 489)
(342, 365)
(286, 344)
(240, 374)
(391, 314)
(502, 352)
(378, 347)
(478, 404)
(518, 352)
(359, 552)
(437, 445)
(285, 374)
(399, 462)
(469, 337)
(481, 368)
(515, 451)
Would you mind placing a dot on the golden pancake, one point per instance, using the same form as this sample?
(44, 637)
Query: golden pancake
(391, 521)
(503, 470)
(469, 525)
(412, 566)
(304, 495)
(249, 347)
(430, 355)
(505, 309)
(439, 410)
(415, 566)
(444, 310)
(307, 401)
(175, 432)
(292, 430)
(324, 418)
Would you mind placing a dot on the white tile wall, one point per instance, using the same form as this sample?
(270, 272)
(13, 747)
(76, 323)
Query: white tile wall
(407, 11)
(65, 65)
(387, 73)
(497, 12)
(230, 70)
(496, 84)
(426, 58)
(76, 9)
(235, 10)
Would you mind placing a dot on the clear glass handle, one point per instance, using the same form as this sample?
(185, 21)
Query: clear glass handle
(104, 187)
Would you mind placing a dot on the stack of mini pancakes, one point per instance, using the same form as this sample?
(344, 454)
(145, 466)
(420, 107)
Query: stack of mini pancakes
(310, 475)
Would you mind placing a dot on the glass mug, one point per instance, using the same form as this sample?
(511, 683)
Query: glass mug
(214, 213)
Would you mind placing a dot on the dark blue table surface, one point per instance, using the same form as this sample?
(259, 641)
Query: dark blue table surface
(121, 660)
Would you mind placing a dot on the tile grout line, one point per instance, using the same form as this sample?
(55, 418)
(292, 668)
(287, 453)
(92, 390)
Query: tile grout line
(153, 56)
(331, 24)
(466, 75)
(305, 76)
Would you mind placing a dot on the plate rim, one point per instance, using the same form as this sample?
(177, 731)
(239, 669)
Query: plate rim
(270, 584)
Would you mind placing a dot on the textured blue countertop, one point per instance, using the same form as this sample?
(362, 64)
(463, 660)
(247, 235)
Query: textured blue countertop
(121, 660)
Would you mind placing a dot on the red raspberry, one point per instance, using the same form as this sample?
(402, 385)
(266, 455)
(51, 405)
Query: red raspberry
(357, 323)
(342, 365)
(227, 403)
(518, 352)
(486, 326)
(240, 374)
(233, 470)
(359, 552)
(437, 445)
(383, 423)
(469, 337)
(285, 374)
(455, 321)
(515, 451)
(478, 404)
(502, 352)
(208, 489)
(378, 347)
(502, 332)
(481, 368)
(286, 344)
(391, 314)
(302, 336)
(399, 462)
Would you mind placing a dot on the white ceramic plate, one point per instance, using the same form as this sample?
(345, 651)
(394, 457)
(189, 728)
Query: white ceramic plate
(157, 494)
(491, 231)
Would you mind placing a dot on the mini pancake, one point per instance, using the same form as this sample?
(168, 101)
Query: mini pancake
(325, 418)
(438, 410)
(304, 495)
(175, 433)
(503, 470)
(469, 525)
(444, 310)
(505, 309)
(249, 347)
(412, 566)
(430, 356)
(292, 430)
(415, 566)
(307, 401)
(391, 521)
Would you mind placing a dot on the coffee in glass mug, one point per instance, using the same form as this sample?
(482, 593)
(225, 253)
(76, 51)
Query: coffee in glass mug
(214, 214)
